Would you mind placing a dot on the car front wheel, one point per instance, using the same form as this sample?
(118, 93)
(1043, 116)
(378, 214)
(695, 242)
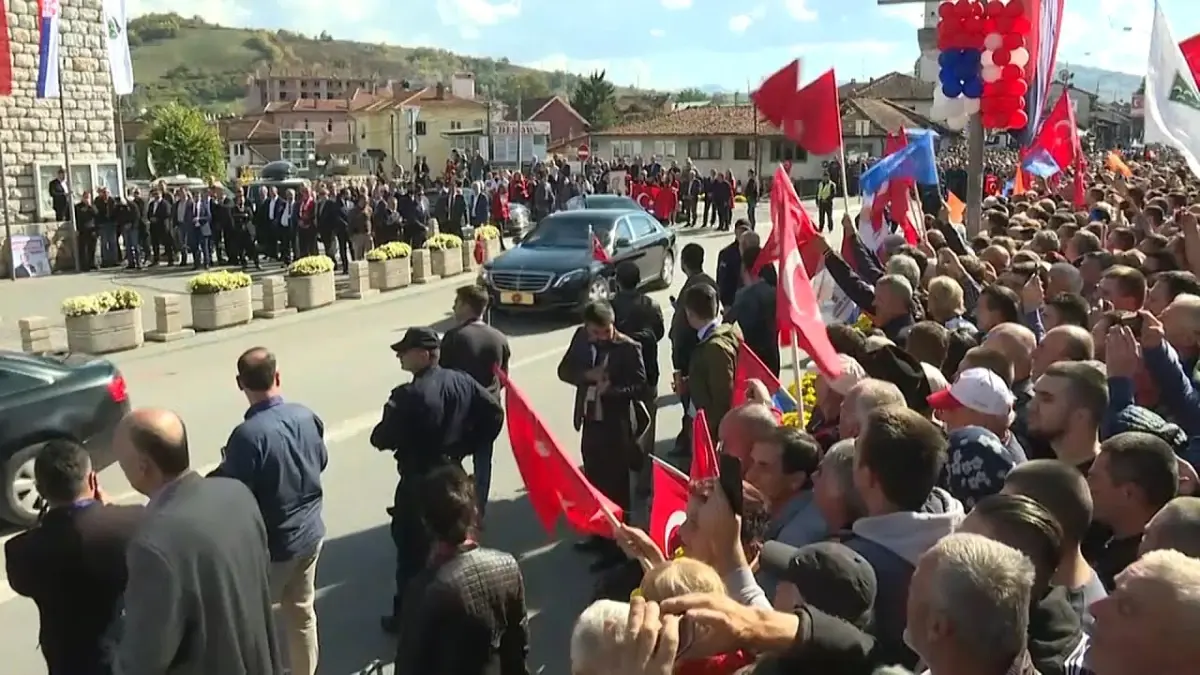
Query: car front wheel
(22, 504)
(666, 272)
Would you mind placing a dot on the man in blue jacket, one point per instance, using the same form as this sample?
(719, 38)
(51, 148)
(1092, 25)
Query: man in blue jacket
(279, 452)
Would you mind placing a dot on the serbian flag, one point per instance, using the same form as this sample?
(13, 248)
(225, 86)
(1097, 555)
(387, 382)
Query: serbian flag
(750, 367)
(48, 48)
(796, 309)
(668, 506)
(1045, 21)
(6, 76)
(554, 484)
(704, 453)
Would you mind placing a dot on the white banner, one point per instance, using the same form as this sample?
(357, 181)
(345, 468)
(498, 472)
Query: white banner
(120, 64)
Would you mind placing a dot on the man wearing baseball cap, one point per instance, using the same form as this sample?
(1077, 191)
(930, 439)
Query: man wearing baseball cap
(827, 575)
(979, 398)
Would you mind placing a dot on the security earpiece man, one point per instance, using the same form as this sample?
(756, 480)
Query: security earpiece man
(440, 417)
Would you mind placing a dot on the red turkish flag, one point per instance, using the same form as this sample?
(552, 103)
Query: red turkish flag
(704, 453)
(796, 309)
(554, 484)
(811, 116)
(750, 367)
(668, 506)
(599, 253)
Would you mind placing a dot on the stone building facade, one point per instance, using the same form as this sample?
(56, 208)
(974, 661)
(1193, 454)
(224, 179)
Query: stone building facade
(31, 130)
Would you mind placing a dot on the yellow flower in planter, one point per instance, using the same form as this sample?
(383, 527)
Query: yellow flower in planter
(311, 266)
(216, 282)
(101, 303)
(807, 397)
(389, 251)
(440, 242)
(487, 232)
(864, 323)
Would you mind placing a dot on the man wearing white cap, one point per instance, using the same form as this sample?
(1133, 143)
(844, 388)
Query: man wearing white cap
(978, 398)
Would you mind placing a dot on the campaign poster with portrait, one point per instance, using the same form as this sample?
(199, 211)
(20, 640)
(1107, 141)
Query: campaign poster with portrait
(29, 256)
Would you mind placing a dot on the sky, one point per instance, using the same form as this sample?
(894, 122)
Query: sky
(675, 44)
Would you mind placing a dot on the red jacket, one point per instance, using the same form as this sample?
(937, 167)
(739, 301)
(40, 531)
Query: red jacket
(518, 191)
(500, 206)
(665, 202)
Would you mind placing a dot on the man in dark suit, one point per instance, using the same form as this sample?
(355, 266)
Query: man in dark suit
(287, 219)
(609, 377)
(198, 599)
(158, 211)
(683, 338)
(72, 565)
(467, 613)
(477, 349)
(60, 196)
(279, 452)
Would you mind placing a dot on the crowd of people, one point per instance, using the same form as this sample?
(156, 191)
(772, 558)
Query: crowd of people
(999, 480)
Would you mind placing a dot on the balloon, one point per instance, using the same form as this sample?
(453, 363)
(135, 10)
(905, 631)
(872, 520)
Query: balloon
(956, 107)
(1014, 41)
(1016, 8)
(1020, 119)
(1019, 57)
(1012, 72)
(958, 123)
(993, 41)
(951, 88)
(944, 42)
(973, 27)
(971, 105)
(990, 74)
(994, 8)
(962, 8)
(945, 10)
(1021, 25)
(944, 59)
(985, 59)
(972, 88)
(947, 76)
(1001, 57)
(1004, 24)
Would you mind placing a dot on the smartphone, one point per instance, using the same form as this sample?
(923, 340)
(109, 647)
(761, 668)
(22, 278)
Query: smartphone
(730, 478)
(687, 636)
(1133, 322)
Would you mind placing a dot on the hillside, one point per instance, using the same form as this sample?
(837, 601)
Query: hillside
(1107, 84)
(203, 64)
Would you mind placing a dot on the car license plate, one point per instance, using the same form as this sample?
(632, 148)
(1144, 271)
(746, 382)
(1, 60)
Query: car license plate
(517, 298)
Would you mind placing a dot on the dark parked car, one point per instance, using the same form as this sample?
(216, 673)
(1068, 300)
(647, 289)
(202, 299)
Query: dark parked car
(603, 202)
(44, 397)
(553, 267)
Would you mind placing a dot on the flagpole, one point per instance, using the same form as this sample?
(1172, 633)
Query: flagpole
(66, 148)
(12, 263)
(121, 139)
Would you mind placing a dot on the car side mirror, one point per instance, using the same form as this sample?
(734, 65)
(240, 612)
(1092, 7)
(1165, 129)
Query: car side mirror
(622, 242)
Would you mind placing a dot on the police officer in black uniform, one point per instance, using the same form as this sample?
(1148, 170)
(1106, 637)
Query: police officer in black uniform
(437, 419)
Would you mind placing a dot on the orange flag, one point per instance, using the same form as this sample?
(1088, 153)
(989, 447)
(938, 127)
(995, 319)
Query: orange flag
(1117, 165)
(1019, 186)
(956, 207)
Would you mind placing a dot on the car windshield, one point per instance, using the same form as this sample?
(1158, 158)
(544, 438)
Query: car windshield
(568, 232)
(610, 202)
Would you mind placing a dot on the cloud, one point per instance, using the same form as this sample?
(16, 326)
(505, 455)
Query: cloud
(860, 47)
(739, 23)
(657, 32)
(677, 4)
(468, 16)
(913, 15)
(798, 10)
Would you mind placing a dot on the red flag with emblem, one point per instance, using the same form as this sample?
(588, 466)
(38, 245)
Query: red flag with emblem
(599, 253)
(554, 484)
(704, 453)
(668, 506)
(796, 309)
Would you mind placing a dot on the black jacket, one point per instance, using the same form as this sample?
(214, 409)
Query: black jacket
(476, 348)
(442, 415)
(72, 566)
(729, 273)
(640, 318)
(683, 337)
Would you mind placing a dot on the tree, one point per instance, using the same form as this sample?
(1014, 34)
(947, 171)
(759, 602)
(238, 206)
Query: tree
(523, 86)
(182, 142)
(596, 99)
(691, 95)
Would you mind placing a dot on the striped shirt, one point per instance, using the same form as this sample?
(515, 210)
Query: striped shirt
(1075, 661)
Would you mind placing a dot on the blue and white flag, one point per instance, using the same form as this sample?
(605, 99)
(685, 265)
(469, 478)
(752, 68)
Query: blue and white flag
(49, 12)
(120, 63)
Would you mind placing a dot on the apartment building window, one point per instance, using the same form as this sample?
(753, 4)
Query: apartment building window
(303, 83)
(283, 96)
(786, 151)
(626, 148)
(704, 149)
(743, 148)
(420, 128)
(455, 125)
(478, 124)
(304, 94)
(664, 148)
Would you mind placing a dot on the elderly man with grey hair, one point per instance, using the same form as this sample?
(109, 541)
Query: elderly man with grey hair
(595, 636)
(862, 398)
(968, 607)
(904, 266)
(833, 487)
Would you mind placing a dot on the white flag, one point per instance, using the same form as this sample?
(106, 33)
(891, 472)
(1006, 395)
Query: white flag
(120, 64)
(1172, 100)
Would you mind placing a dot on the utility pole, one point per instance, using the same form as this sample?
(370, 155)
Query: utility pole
(488, 131)
(974, 175)
(520, 119)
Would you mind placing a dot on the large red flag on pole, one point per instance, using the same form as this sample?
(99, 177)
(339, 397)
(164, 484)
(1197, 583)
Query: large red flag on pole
(554, 484)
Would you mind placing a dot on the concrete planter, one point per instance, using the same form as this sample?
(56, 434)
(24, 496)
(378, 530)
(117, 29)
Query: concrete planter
(311, 292)
(491, 249)
(390, 274)
(105, 333)
(468, 257)
(214, 311)
(446, 262)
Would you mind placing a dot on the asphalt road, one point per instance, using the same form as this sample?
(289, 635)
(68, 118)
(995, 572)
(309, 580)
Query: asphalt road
(337, 361)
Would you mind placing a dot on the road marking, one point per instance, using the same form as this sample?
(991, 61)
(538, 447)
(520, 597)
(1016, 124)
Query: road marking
(339, 433)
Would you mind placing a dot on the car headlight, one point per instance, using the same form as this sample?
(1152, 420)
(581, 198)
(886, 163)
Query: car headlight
(484, 278)
(570, 277)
